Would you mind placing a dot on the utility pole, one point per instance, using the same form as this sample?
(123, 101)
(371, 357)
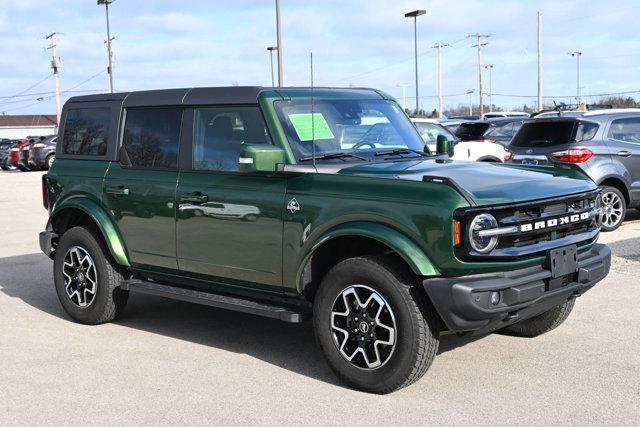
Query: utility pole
(279, 43)
(271, 49)
(577, 54)
(479, 45)
(54, 66)
(414, 14)
(404, 95)
(490, 67)
(106, 4)
(540, 104)
(439, 46)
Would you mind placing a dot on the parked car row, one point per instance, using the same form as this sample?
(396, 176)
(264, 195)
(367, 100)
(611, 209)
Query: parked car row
(603, 144)
(29, 154)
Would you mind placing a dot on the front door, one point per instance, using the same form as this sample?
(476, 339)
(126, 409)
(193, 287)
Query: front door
(139, 190)
(229, 224)
(624, 143)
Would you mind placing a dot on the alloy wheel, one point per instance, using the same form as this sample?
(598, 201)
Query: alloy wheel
(80, 276)
(612, 208)
(363, 327)
(50, 161)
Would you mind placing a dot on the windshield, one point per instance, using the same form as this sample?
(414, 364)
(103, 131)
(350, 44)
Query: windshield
(541, 133)
(341, 126)
(430, 132)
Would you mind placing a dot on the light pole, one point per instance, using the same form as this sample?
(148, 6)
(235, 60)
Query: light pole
(490, 67)
(404, 94)
(439, 46)
(415, 15)
(278, 43)
(577, 55)
(106, 4)
(271, 49)
(470, 92)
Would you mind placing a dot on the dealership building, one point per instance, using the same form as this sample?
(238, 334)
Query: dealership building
(20, 126)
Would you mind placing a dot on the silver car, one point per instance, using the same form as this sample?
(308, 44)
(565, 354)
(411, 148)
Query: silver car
(605, 145)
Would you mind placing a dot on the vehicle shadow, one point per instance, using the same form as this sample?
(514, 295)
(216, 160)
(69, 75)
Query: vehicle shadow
(288, 346)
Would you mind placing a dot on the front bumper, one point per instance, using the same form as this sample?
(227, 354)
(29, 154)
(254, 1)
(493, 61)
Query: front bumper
(464, 302)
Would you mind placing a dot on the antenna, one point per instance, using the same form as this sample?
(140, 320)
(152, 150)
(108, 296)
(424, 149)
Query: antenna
(313, 127)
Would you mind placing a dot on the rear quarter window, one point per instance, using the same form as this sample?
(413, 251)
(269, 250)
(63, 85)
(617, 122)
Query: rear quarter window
(86, 132)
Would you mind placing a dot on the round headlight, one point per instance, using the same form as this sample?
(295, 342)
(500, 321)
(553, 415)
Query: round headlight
(482, 244)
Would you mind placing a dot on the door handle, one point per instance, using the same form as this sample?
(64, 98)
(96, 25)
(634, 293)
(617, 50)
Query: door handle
(624, 153)
(119, 190)
(194, 198)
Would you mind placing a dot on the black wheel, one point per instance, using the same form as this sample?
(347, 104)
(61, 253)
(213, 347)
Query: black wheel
(374, 324)
(87, 279)
(7, 166)
(541, 323)
(48, 162)
(3, 165)
(614, 208)
(23, 168)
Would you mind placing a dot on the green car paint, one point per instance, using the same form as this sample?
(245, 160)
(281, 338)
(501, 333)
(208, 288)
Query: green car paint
(86, 197)
(268, 239)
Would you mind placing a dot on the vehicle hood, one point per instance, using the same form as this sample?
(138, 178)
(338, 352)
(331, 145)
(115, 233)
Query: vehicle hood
(484, 183)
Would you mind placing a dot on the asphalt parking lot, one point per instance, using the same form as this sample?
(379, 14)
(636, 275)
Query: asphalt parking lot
(170, 362)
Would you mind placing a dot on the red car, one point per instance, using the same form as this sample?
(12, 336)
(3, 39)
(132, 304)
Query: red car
(14, 153)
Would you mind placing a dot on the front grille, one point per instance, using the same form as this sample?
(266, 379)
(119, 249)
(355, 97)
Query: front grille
(536, 227)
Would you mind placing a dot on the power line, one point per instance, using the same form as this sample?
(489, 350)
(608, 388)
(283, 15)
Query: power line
(29, 88)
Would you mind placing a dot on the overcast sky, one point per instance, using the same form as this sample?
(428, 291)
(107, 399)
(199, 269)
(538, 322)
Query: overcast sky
(163, 44)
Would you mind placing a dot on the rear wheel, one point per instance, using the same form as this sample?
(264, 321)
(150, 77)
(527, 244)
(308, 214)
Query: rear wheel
(86, 278)
(23, 168)
(541, 323)
(374, 325)
(614, 208)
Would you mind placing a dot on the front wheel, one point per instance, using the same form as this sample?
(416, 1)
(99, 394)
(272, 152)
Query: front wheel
(87, 279)
(614, 208)
(7, 166)
(49, 161)
(374, 325)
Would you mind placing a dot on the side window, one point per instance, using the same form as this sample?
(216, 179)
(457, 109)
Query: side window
(85, 132)
(627, 130)
(219, 134)
(151, 138)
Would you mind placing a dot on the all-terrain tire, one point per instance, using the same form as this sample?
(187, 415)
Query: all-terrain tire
(109, 300)
(541, 323)
(417, 324)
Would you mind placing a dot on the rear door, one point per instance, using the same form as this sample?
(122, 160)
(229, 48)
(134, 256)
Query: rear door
(229, 223)
(623, 138)
(139, 189)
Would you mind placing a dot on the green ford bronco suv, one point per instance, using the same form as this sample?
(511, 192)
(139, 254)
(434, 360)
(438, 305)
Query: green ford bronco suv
(322, 203)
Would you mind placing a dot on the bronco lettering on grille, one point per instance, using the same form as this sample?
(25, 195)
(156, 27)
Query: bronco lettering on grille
(550, 223)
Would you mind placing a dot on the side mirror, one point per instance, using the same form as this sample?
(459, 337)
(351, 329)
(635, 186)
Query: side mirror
(444, 146)
(260, 158)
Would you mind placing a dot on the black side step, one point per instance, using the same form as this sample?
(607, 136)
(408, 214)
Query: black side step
(213, 300)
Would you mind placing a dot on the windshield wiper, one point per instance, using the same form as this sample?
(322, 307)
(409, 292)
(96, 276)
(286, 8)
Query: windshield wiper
(399, 151)
(330, 156)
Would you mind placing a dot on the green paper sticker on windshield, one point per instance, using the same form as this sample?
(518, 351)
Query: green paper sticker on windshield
(302, 124)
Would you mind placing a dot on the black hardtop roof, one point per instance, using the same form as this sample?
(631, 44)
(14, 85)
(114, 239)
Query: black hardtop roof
(209, 95)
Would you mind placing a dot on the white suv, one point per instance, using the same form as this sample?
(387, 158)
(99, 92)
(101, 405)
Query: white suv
(464, 150)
